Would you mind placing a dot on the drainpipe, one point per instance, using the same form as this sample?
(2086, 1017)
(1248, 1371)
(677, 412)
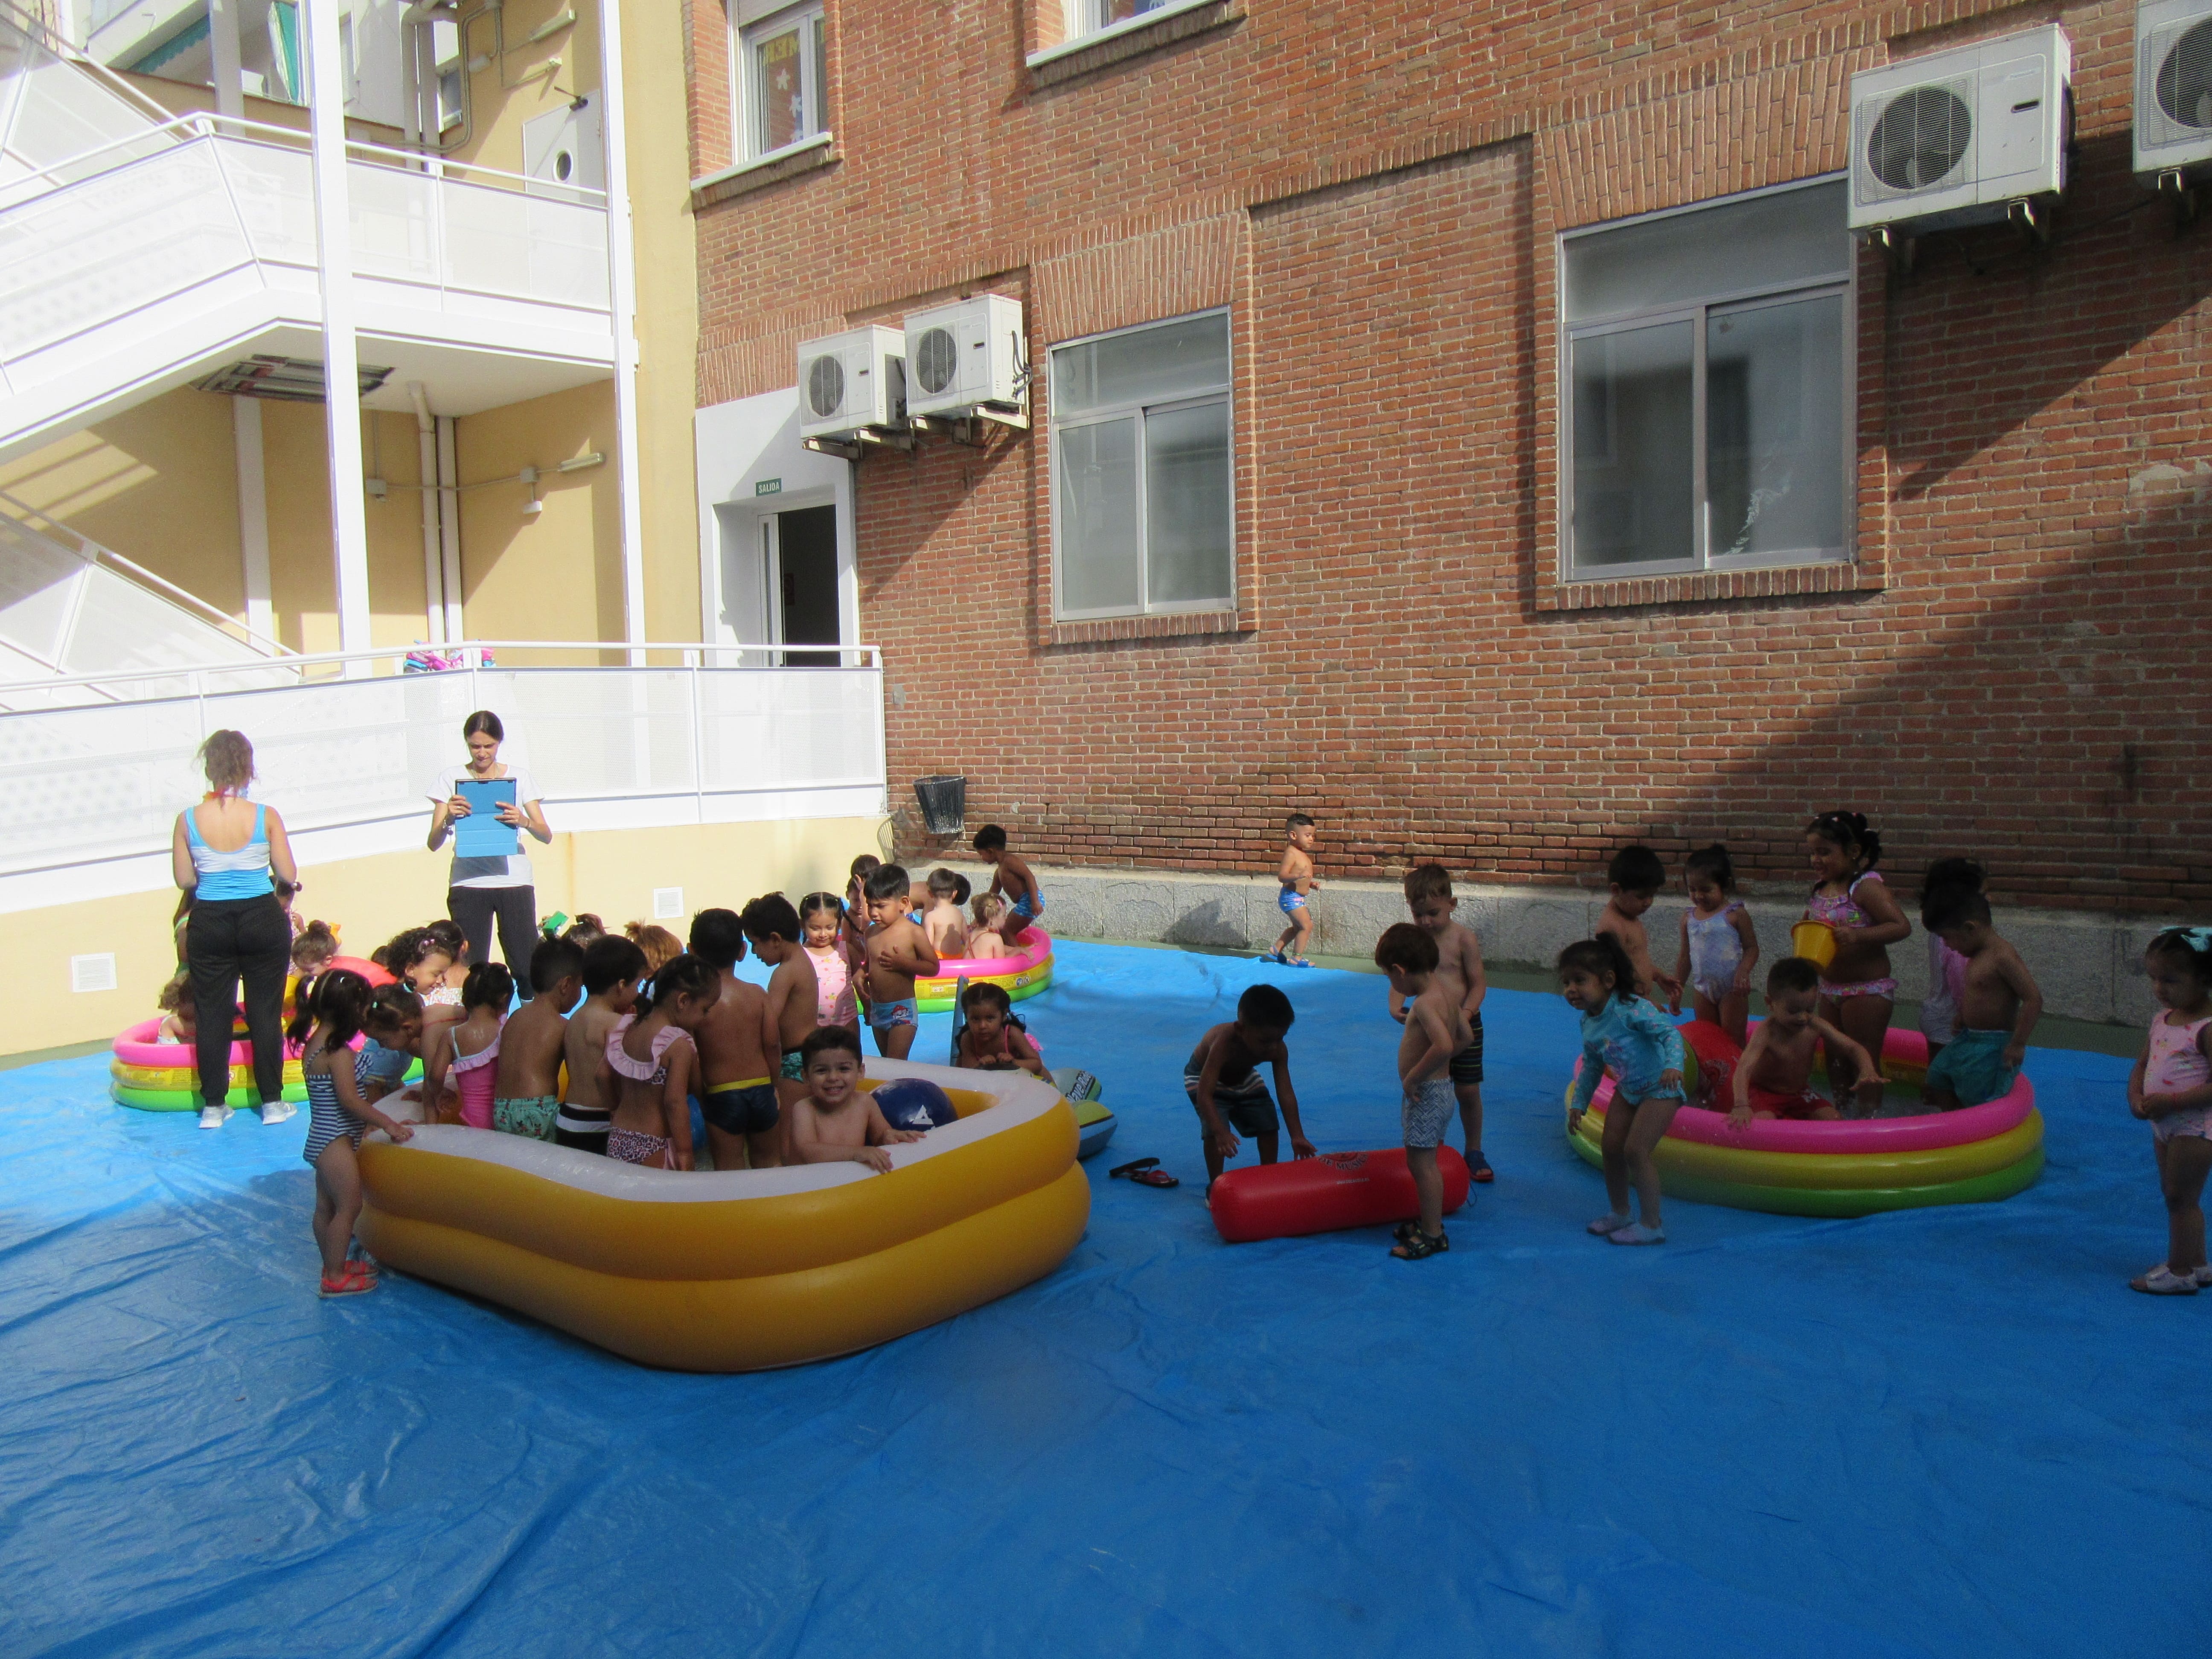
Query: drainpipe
(449, 520)
(341, 358)
(621, 293)
(434, 569)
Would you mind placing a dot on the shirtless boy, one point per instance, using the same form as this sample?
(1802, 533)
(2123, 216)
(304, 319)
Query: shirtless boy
(526, 1090)
(737, 1082)
(1297, 876)
(898, 953)
(1222, 1078)
(1635, 877)
(1996, 1014)
(772, 927)
(1774, 1078)
(1010, 874)
(1459, 970)
(613, 966)
(946, 927)
(836, 1120)
(1436, 1028)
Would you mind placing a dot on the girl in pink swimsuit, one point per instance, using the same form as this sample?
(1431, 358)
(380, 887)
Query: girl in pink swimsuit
(2171, 1088)
(651, 1065)
(1856, 989)
(834, 954)
(472, 1055)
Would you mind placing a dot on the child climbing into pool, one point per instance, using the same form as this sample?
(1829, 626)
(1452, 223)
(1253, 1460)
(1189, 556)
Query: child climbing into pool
(736, 1080)
(988, 1041)
(526, 1098)
(1849, 896)
(1633, 878)
(467, 1053)
(1947, 968)
(391, 1040)
(837, 955)
(772, 928)
(987, 938)
(898, 953)
(2171, 1089)
(1011, 874)
(1223, 1080)
(946, 929)
(1997, 1009)
(1719, 945)
(1774, 1078)
(330, 1010)
(1296, 873)
(1436, 1029)
(651, 1064)
(1623, 1031)
(613, 969)
(836, 1120)
(1459, 971)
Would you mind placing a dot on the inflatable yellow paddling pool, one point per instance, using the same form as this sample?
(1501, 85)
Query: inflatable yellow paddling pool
(748, 1269)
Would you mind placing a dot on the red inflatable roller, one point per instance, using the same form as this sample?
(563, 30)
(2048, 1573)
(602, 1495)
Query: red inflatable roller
(1327, 1193)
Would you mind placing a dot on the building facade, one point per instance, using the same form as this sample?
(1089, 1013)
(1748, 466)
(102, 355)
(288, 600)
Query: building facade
(1478, 428)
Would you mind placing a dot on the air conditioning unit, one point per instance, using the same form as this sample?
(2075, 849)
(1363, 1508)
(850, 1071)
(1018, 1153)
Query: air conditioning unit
(968, 358)
(1955, 137)
(852, 382)
(2174, 86)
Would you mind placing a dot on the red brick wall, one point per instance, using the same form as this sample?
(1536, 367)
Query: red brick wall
(2013, 668)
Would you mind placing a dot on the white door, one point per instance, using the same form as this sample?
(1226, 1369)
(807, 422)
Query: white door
(568, 146)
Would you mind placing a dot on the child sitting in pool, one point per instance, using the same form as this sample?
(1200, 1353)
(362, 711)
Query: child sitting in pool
(178, 1024)
(1849, 896)
(942, 921)
(836, 1120)
(651, 1064)
(1774, 1078)
(1625, 1033)
(466, 1053)
(899, 952)
(526, 1098)
(1221, 1078)
(613, 967)
(1947, 968)
(1998, 1012)
(988, 1041)
(2171, 1088)
(1719, 944)
(838, 956)
(1633, 878)
(987, 939)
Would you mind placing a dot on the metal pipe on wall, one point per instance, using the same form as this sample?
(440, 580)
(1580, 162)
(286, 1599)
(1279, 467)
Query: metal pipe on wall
(433, 568)
(449, 520)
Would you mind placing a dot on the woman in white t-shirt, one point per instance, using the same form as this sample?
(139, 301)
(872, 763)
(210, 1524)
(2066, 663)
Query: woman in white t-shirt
(484, 890)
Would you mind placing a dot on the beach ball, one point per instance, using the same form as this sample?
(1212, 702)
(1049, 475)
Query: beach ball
(914, 1103)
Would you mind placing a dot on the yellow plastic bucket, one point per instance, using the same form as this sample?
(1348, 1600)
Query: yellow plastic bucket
(1815, 941)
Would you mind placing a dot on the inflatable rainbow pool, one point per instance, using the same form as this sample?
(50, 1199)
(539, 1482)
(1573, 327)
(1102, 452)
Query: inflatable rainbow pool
(1021, 974)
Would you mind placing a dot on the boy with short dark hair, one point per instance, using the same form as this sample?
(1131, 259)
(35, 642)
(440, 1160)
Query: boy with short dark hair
(1222, 1078)
(526, 1087)
(1774, 1078)
(1996, 1014)
(1435, 1029)
(737, 1081)
(613, 967)
(772, 927)
(1459, 970)
(1296, 873)
(898, 954)
(1011, 875)
(1634, 879)
(836, 1120)
(942, 921)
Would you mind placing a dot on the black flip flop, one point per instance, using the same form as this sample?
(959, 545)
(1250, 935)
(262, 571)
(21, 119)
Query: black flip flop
(1144, 1172)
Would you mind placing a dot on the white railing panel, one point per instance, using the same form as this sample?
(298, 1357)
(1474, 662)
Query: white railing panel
(275, 190)
(51, 110)
(500, 242)
(81, 784)
(120, 626)
(395, 223)
(766, 728)
(600, 731)
(36, 590)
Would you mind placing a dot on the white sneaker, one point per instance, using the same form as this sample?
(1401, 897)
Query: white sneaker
(214, 1117)
(278, 1111)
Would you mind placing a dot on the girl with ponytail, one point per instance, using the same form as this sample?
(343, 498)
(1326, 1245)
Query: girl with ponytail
(1857, 991)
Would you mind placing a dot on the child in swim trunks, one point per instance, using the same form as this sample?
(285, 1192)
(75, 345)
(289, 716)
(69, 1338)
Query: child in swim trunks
(737, 1091)
(1223, 1080)
(1011, 875)
(1633, 878)
(526, 1098)
(772, 928)
(1625, 1033)
(898, 953)
(1436, 1028)
(1774, 1078)
(1998, 1010)
(837, 1121)
(1296, 873)
(946, 928)
(1719, 944)
(613, 969)
(836, 956)
(1857, 990)
(650, 1064)
(1459, 971)
(2171, 1089)
(988, 1041)
(1947, 968)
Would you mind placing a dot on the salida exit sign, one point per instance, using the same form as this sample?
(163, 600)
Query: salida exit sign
(768, 487)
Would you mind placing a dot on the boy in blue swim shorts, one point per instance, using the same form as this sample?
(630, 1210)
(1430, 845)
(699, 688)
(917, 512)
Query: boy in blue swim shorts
(1999, 1009)
(1297, 876)
(1011, 875)
(899, 952)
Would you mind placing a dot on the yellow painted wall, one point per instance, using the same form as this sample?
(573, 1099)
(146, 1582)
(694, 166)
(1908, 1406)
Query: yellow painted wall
(611, 872)
(557, 576)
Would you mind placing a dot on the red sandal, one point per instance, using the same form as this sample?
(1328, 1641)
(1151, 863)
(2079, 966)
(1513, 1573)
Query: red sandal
(352, 1280)
(1144, 1172)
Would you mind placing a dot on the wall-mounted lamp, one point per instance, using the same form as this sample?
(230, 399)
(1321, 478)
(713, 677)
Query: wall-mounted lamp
(533, 507)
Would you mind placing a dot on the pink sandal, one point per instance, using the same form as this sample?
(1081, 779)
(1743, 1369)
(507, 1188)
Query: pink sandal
(353, 1280)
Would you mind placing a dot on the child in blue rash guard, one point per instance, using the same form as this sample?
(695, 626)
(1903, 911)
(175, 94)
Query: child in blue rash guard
(1623, 1031)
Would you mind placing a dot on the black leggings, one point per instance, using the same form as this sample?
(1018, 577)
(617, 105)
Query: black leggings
(226, 939)
(472, 909)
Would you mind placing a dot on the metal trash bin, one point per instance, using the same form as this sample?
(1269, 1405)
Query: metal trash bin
(944, 803)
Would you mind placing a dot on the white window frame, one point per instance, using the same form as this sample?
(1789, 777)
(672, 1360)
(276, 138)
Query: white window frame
(744, 96)
(1084, 21)
(1695, 313)
(1226, 395)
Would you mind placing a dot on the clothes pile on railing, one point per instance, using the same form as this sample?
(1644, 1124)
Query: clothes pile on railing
(424, 660)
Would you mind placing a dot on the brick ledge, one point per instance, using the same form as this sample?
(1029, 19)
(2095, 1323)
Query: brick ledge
(1174, 624)
(1133, 43)
(1782, 581)
(745, 180)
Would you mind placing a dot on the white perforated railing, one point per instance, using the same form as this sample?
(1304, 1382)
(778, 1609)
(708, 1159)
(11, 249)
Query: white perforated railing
(89, 794)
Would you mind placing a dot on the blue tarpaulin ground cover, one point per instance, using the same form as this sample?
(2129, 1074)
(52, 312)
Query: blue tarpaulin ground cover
(1940, 1431)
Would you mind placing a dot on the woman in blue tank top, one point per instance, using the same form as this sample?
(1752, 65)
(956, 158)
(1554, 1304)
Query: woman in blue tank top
(223, 853)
